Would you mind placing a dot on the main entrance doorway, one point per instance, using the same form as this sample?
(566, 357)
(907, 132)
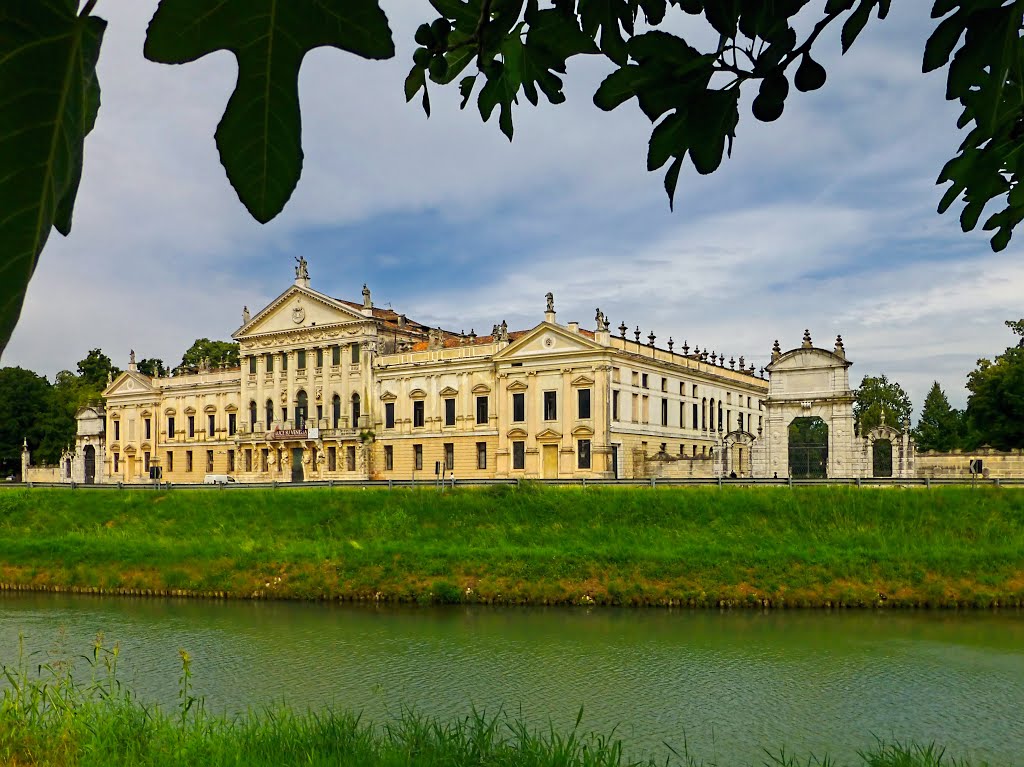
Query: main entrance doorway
(550, 468)
(90, 465)
(808, 448)
(297, 475)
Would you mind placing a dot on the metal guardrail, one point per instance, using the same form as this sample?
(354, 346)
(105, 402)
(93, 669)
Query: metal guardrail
(654, 482)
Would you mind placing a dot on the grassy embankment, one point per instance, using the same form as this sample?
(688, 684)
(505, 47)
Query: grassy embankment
(691, 546)
(48, 720)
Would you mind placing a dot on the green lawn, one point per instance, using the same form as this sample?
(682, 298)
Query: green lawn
(790, 546)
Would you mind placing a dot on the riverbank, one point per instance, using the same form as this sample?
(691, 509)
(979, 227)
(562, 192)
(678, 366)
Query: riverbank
(779, 547)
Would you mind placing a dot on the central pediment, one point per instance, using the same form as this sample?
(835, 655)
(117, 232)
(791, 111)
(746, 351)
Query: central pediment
(297, 308)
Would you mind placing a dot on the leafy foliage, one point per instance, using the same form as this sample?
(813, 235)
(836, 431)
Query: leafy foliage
(880, 400)
(152, 367)
(203, 351)
(50, 98)
(24, 399)
(96, 369)
(940, 426)
(508, 48)
(995, 406)
(259, 137)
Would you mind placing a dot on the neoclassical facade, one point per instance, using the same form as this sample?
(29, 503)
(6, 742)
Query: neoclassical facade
(335, 389)
(330, 389)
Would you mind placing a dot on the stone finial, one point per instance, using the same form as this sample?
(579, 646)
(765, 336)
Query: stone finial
(650, 338)
(714, 356)
(245, 315)
(762, 372)
(840, 350)
(110, 378)
(367, 301)
(605, 324)
(732, 363)
(686, 347)
(671, 343)
(472, 335)
(623, 329)
(807, 340)
(776, 351)
(752, 371)
(636, 334)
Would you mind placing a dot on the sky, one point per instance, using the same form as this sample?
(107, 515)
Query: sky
(825, 219)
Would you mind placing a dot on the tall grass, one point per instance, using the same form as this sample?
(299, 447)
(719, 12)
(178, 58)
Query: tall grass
(50, 718)
(700, 546)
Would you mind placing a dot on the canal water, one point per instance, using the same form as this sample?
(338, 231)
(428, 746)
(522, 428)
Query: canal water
(727, 684)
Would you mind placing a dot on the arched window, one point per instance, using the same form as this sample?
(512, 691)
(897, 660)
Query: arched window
(301, 409)
(336, 415)
(252, 414)
(355, 410)
(719, 421)
(269, 413)
(704, 414)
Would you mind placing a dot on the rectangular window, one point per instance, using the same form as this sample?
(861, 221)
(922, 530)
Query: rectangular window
(232, 423)
(284, 361)
(170, 461)
(583, 454)
(635, 410)
(389, 415)
(643, 380)
(147, 428)
(188, 460)
(145, 462)
(319, 358)
(449, 456)
(319, 414)
(248, 459)
(117, 431)
(550, 405)
(231, 461)
(449, 411)
(389, 458)
(518, 407)
(417, 413)
(252, 364)
(518, 455)
(664, 412)
(583, 403)
(682, 415)
(646, 412)
(615, 406)
(481, 455)
(481, 411)
(269, 360)
(335, 355)
(332, 459)
(191, 426)
(695, 391)
(355, 354)
(693, 414)
(300, 359)
(417, 457)
(209, 461)
(264, 459)
(211, 423)
(350, 457)
(284, 414)
(664, 384)
(117, 463)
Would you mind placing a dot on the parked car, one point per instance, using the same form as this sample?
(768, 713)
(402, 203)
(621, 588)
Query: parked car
(218, 479)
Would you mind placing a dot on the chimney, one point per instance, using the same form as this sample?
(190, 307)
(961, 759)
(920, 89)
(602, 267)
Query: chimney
(574, 327)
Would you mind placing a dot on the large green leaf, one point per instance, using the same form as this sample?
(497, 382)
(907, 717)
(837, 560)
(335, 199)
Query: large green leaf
(48, 102)
(260, 135)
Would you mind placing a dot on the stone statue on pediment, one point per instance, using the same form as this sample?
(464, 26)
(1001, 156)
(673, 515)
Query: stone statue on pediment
(245, 315)
(550, 298)
(301, 272)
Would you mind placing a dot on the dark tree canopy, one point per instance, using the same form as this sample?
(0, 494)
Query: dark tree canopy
(940, 426)
(203, 351)
(25, 398)
(995, 406)
(96, 368)
(880, 400)
(152, 367)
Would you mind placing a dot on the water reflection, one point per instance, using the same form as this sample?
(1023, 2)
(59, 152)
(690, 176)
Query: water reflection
(732, 682)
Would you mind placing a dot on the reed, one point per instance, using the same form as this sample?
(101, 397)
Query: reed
(700, 546)
(51, 718)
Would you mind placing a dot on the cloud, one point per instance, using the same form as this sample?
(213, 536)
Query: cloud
(824, 219)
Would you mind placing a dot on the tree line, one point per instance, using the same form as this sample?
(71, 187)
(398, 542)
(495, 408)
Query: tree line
(43, 414)
(994, 415)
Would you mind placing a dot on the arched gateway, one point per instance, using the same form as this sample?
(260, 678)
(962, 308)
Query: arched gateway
(809, 427)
